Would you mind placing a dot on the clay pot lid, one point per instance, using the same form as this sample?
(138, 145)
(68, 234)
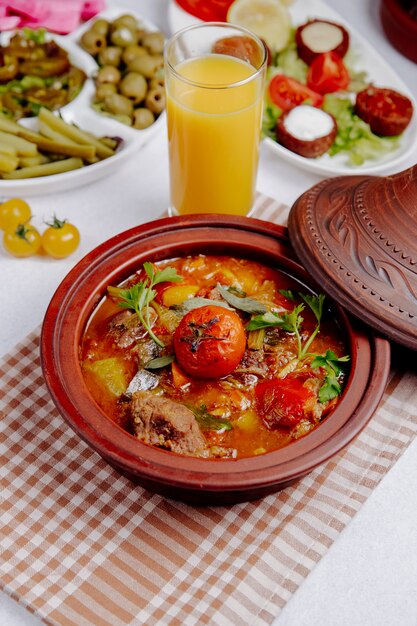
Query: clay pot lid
(357, 236)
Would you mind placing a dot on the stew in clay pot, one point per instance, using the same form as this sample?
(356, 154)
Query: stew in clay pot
(214, 357)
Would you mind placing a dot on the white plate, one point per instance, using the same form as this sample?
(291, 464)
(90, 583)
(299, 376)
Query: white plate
(366, 59)
(80, 112)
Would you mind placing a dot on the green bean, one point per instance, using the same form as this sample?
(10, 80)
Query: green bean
(23, 147)
(46, 169)
(72, 132)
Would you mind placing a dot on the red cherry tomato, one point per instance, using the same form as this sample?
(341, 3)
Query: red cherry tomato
(287, 93)
(327, 73)
(209, 342)
(283, 401)
(207, 10)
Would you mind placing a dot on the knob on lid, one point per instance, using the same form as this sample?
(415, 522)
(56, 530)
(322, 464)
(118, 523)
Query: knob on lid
(357, 236)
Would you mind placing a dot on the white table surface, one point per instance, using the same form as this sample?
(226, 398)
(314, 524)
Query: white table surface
(369, 575)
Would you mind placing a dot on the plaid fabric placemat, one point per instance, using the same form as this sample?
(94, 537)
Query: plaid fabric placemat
(83, 546)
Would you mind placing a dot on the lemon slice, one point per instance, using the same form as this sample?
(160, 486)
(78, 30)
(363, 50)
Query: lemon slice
(269, 19)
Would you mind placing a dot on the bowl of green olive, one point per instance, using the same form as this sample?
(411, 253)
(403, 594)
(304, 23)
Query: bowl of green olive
(129, 81)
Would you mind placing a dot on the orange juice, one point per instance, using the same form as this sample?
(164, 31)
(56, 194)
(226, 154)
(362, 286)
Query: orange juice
(214, 113)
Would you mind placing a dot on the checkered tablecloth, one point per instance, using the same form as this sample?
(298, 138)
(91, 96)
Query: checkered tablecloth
(83, 546)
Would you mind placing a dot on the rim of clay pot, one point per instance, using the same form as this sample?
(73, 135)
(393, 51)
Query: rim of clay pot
(112, 262)
(399, 27)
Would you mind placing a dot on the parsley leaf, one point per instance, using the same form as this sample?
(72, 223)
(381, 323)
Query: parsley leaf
(334, 367)
(315, 303)
(290, 322)
(139, 296)
(287, 293)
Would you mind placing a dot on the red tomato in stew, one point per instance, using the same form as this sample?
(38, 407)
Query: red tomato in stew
(206, 10)
(287, 93)
(328, 73)
(283, 401)
(209, 342)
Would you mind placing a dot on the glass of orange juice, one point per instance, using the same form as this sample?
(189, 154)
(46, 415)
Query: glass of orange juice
(214, 75)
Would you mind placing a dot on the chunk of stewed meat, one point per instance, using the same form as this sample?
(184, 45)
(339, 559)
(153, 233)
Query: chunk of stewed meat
(167, 424)
(125, 329)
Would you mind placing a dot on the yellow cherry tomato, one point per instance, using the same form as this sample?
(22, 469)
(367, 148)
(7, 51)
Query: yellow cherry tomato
(60, 239)
(14, 212)
(22, 241)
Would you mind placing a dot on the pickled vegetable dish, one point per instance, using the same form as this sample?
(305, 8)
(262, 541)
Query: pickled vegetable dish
(214, 357)
(36, 72)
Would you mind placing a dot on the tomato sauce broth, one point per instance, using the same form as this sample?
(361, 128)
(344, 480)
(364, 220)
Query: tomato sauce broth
(271, 397)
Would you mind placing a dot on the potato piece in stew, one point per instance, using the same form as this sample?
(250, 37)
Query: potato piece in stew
(214, 357)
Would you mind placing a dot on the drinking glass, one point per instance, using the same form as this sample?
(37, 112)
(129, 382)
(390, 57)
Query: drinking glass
(215, 75)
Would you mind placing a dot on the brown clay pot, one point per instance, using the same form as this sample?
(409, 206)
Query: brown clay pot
(400, 27)
(190, 479)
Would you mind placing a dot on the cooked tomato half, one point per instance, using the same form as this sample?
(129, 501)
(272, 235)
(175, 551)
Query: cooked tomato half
(206, 10)
(284, 401)
(288, 93)
(328, 73)
(209, 342)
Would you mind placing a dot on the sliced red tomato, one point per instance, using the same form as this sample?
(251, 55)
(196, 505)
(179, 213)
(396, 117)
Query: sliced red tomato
(283, 401)
(288, 93)
(328, 73)
(206, 10)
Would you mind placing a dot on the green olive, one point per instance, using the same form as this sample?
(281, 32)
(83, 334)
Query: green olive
(155, 100)
(125, 20)
(157, 82)
(103, 90)
(101, 26)
(118, 104)
(108, 74)
(123, 36)
(111, 55)
(134, 87)
(140, 34)
(148, 65)
(154, 42)
(142, 118)
(132, 52)
(93, 42)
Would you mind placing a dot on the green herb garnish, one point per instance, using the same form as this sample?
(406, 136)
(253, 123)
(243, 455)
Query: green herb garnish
(332, 364)
(197, 302)
(207, 421)
(160, 361)
(248, 305)
(291, 322)
(140, 295)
